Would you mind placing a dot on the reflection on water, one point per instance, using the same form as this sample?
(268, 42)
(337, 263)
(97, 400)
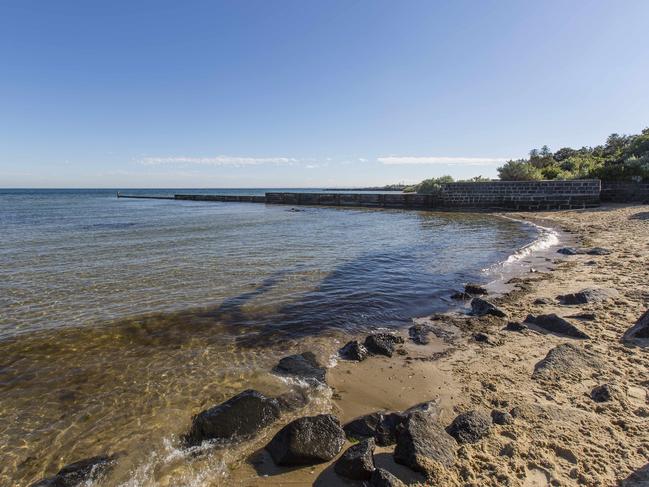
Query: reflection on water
(122, 318)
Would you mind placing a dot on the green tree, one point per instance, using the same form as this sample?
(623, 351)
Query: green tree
(519, 170)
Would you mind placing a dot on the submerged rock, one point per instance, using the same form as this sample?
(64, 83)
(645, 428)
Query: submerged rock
(382, 343)
(568, 251)
(357, 463)
(470, 427)
(598, 251)
(302, 366)
(382, 478)
(461, 296)
(293, 400)
(565, 361)
(475, 289)
(420, 333)
(556, 324)
(542, 301)
(422, 440)
(587, 296)
(80, 473)
(639, 333)
(353, 350)
(307, 441)
(481, 307)
(582, 251)
(240, 417)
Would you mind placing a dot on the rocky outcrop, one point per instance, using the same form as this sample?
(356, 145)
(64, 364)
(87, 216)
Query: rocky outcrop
(357, 463)
(240, 417)
(556, 324)
(307, 441)
(515, 326)
(422, 440)
(566, 362)
(638, 333)
(590, 295)
(603, 393)
(303, 366)
(475, 289)
(353, 350)
(482, 307)
(382, 343)
(80, 473)
(470, 427)
(382, 478)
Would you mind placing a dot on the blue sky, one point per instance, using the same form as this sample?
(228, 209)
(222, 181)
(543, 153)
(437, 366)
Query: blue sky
(308, 93)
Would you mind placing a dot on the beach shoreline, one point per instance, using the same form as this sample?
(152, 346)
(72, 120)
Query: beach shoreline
(560, 435)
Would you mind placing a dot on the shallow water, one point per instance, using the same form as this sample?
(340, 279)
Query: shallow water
(122, 318)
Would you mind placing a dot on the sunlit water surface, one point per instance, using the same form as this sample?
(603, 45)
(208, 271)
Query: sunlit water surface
(120, 319)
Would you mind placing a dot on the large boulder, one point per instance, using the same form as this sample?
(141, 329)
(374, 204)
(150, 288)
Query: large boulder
(481, 307)
(303, 366)
(357, 463)
(556, 324)
(566, 362)
(590, 295)
(381, 425)
(422, 440)
(470, 427)
(382, 343)
(639, 333)
(80, 473)
(239, 418)
(382, 478)
(307, 441)
(353, 350)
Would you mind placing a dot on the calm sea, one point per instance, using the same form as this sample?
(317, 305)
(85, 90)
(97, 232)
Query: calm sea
(120, 318)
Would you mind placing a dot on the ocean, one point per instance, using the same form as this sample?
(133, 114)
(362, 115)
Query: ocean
(121, 318)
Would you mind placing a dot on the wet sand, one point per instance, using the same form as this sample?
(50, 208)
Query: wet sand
(561, 436)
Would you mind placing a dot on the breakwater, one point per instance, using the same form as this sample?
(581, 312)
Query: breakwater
(507, 195)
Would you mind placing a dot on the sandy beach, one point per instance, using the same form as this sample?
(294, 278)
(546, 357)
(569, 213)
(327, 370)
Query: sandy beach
(559, 434)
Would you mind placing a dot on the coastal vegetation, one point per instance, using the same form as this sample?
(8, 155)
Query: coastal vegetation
(620, 158)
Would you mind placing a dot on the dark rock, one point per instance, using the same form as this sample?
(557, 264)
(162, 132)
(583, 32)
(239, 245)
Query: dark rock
(307, 441)
(602, 393)
(638, 333)
(481, 337)
(382, 478)
(515, 326)
(568, 251)
(240, 417)
(481, 307)
(419, 333)
(540, 301)
(501, 417)
(421, 440)
(461, 296)
(302, 366)
(382, 343)
(587, 296)
(584, 316)
(382, 426)
(598, 251)
(556, 324)
(475, 289)
(357, 463)
(354, 351)
(566, 361)
(293, 400)
(470, 427)
(81, 472)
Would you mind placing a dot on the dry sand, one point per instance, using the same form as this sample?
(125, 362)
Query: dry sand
(560, 436)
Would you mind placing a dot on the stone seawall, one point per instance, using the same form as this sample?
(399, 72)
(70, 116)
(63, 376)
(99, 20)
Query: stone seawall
(220, 197)
(625, 192)
(509, 195)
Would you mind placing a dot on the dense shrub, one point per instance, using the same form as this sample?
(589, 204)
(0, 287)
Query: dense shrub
(622, 157)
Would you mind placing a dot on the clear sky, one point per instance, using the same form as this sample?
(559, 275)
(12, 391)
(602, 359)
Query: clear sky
(263, 93)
